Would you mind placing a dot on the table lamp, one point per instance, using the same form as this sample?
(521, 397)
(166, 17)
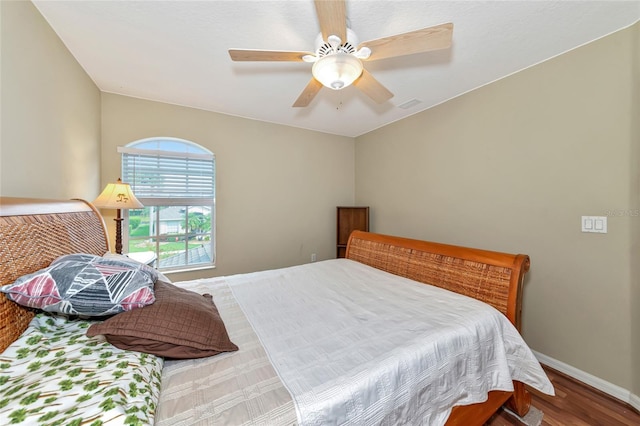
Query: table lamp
(117, 196)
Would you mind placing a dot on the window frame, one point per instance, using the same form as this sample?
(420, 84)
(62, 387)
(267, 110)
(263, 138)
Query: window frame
(192, 150)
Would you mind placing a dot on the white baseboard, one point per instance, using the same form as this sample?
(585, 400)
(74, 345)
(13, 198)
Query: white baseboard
(615, 391)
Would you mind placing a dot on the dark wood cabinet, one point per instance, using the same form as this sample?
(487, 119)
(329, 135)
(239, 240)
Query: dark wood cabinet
(350, 219)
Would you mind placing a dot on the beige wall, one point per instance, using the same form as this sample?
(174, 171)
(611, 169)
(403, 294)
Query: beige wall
(635, 202)
(512, 167)
(277, 187)
(50, 136)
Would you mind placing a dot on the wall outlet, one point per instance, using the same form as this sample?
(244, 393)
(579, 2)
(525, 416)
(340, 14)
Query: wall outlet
(313, 257)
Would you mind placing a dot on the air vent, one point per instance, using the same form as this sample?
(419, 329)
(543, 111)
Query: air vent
(410, 103)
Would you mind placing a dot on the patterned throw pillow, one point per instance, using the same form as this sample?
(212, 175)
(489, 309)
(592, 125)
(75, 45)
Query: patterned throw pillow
(85, 284)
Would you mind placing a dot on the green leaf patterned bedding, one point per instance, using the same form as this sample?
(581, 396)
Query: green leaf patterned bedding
(55, 375)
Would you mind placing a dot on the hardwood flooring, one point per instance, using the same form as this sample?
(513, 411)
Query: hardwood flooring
(575, 404)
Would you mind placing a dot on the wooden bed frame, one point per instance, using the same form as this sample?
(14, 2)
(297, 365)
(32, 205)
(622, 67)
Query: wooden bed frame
(491, 277)
(35, 232)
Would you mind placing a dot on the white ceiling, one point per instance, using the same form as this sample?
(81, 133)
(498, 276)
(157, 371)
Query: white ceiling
(176, 51)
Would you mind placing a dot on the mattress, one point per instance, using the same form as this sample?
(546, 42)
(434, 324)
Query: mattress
(339, 342)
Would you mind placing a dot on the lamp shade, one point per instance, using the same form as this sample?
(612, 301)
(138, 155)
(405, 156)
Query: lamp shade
(337, 71)
(117, 196)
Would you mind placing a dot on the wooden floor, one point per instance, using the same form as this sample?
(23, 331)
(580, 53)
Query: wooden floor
(575, 404)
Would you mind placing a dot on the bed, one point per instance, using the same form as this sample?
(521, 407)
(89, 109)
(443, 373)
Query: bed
(290, 343)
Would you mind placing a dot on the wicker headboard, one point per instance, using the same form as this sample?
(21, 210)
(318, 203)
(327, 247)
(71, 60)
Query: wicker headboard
(33, 233)
(492, 277)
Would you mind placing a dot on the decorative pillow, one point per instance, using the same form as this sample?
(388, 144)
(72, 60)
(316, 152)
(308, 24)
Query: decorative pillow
(85, 284)
(126, 259)
(180, 324)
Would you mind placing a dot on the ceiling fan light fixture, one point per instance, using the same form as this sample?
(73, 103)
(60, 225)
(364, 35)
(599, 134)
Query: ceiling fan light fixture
(337, 71)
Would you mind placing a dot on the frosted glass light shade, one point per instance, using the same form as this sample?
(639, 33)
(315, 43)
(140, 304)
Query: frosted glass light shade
(117, 196)
(337, 71)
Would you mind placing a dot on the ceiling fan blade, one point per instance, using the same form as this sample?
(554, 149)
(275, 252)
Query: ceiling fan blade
(266, 55)
(332, 16)
(424, 40)
(308, 93)
(372, 87)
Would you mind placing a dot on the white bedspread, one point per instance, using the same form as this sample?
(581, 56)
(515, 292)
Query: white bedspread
(368, 347)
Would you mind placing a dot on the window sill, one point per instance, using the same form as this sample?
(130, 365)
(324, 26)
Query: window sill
(193, 269)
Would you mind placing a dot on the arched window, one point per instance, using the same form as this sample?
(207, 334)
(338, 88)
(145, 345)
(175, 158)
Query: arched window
(175, 180)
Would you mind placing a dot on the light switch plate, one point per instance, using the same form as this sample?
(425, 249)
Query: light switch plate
(597, 224)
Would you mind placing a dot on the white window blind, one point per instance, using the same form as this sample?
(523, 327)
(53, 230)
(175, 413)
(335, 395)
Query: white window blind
(165, 174)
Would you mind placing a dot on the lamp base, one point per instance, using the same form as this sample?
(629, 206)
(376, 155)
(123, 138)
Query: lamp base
(118, 233)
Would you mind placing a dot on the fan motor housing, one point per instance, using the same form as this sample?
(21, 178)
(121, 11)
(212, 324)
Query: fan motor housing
(323, 48)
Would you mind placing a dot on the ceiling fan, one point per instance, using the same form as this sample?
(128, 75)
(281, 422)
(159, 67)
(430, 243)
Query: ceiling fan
(337, 62)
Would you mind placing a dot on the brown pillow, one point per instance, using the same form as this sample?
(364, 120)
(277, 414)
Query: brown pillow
(179, 324)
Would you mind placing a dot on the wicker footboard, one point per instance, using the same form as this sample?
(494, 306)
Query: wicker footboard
(492, 277)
